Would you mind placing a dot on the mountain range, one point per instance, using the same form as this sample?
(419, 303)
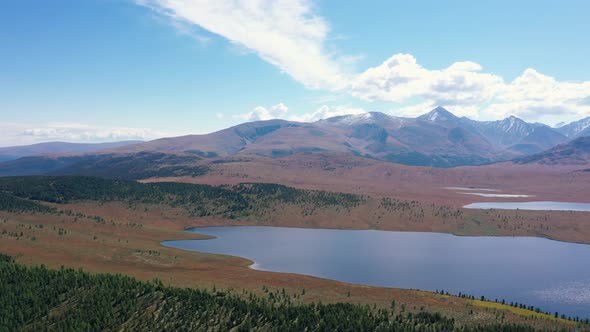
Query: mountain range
(576, 152)
(437, 139)
(576, 129)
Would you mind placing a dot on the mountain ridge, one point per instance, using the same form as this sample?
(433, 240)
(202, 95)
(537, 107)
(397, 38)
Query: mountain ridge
(15, 152)
(435, 139)
(576, 129)
(576, 152)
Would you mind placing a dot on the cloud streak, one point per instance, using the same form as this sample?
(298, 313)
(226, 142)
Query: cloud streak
(290, 35)
(30, 133)
(285, 33)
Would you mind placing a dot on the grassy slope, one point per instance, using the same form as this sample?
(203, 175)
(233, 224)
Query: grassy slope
(278, 205)
(134, 250)
(125, 239)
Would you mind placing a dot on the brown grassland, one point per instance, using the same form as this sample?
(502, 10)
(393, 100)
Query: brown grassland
(129, 243)
(128, 240)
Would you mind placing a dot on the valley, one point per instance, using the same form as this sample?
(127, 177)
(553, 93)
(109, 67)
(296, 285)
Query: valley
(116, 226)
(294, 165)
(110, 210)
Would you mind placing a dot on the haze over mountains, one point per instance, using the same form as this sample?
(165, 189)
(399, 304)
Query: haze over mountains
(576, 129)
(576, 152)
(437, 138)
(15, 152)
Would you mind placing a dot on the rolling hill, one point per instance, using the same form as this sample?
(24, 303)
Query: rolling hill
(576, 152)
(130, 166)
(15, 152)
(435, 139)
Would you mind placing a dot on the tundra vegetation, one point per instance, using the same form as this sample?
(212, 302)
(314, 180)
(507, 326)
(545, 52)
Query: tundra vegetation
(117, 225)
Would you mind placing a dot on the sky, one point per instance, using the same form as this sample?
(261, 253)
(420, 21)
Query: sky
(109, 70)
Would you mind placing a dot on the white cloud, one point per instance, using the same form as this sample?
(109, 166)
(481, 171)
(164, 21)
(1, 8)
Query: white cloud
(466, 90)
(325, 112)
(30, 133)
(262, 113)
(400, 78)
(290, 35)
(280, 110)
(285, 33)
(533, 94)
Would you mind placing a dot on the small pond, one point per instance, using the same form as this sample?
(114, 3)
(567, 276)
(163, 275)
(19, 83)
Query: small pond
(541, 206)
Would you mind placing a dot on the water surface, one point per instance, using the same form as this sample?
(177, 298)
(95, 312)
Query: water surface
(498, 195)
(548, 274)
(544, 206)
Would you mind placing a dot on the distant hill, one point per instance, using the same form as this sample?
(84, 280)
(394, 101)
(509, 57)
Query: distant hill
(15, 152)
(436, 139)
(131, 166)
(576, 152)
(507, 132)
(539, 139)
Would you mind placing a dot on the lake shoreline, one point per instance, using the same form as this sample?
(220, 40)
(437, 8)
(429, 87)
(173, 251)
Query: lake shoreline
(549, 206)
(258, 265)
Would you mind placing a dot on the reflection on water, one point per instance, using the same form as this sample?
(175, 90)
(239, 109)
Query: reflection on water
(497, 195)
(568, 292)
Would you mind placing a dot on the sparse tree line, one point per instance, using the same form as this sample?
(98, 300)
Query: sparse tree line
(417, 211)
(531, 308)
(37, 298)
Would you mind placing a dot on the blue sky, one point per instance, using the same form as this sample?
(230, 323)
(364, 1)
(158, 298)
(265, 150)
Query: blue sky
(103, 70)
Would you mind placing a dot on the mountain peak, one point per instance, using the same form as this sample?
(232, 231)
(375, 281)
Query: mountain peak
(515, 124)
(513, 119)
(369, 117)
(576, 129)
(439, 114)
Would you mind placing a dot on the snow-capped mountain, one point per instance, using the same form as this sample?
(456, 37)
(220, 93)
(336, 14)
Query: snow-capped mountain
(439, 115)
(504, 132)
(575, 129)
(441, 132)
(437, 138)
(356, 119)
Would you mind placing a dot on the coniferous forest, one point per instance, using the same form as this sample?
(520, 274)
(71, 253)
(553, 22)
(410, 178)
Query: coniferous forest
(37, 298)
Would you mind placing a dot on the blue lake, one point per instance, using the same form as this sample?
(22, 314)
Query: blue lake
(552, 275)
(541, 206)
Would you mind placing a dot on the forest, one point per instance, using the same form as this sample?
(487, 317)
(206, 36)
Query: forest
(11, 203)
(37, 298)
(197, 200)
